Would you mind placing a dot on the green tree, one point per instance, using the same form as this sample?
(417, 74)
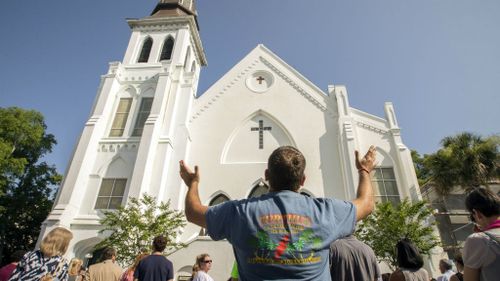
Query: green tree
(132, 227)
(422, 171)
(26, 182)
(388, 224)
(465, 160)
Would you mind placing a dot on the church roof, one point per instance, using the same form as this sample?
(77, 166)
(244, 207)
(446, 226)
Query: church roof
(173, 8)
(168, 8)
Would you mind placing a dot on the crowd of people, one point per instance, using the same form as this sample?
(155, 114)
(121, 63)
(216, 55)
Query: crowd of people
(312, 237)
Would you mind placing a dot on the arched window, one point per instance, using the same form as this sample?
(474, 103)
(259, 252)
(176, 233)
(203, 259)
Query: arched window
(385, 186)
(188, 56)
(146, 49)
(221, 198)
(166, 51)
(260, 189)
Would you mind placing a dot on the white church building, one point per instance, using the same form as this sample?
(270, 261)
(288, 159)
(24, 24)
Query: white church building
(148, 115)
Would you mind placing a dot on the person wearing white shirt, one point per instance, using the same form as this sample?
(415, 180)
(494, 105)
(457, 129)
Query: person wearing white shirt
(201, 267)
(445, 266)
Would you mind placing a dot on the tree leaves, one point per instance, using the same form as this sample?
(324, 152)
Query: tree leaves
(465, 160)
(132, 227)
(24, 179)
(388, 224)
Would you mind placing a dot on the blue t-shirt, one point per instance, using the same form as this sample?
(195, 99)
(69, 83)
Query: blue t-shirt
(282, 235)
(154, 268)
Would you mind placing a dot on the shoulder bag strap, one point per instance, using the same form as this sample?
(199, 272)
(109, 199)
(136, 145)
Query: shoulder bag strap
(492, 237)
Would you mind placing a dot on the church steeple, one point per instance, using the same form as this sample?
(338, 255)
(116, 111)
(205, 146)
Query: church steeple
(170, 8)
(153, 36)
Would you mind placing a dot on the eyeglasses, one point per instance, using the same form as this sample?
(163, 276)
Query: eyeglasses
(207, 261)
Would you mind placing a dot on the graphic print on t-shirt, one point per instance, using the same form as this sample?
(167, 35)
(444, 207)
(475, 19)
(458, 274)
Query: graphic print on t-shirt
(273, 243)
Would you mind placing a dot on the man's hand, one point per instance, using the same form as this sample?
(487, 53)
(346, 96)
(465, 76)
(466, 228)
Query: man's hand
(367, 163)
(187, 174)
(364, 199)
(195, 211)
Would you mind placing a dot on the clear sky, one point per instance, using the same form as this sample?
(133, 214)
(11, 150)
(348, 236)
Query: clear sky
(438, 61)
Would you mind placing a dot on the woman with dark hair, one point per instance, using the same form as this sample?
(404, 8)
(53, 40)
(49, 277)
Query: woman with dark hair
(481, 251)
(410, 263)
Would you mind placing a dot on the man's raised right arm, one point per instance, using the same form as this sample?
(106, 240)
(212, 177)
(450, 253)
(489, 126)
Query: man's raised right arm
(195, 211)
(364, 201)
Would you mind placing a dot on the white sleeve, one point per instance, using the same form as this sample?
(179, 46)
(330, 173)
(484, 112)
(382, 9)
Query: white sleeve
(474, 248)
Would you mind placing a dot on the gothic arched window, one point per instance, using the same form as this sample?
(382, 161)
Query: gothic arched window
(221, 198)
(146, 49)
(260, 189)
(385, 186)
(166, 51)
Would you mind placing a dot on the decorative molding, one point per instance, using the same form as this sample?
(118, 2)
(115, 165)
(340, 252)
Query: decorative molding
(371, 128)
(166, 140)
(348, 130)
(117, 146)
(243, 73)
(225, 88)
(152, 118)
(299, 89)
(93, 120)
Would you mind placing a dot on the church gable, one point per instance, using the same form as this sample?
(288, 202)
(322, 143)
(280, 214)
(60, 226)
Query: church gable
(262, 72)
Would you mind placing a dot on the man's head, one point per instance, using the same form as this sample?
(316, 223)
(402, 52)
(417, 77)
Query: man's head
(159, 243)
(445, 265)
(285, 169)
(109, 254)
(484, 201)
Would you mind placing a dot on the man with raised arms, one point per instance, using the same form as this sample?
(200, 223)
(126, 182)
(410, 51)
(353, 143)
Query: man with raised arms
(282, 235)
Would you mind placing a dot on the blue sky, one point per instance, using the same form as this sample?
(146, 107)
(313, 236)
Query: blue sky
(438, 61)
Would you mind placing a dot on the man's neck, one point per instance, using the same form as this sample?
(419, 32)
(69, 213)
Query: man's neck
(157, 253)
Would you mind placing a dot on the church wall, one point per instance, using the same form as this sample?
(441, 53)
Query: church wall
(220, 117)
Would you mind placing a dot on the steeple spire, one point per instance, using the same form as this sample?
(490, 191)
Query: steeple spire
(168, 8)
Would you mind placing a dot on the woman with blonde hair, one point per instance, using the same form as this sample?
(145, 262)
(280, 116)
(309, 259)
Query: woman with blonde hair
(74, 269)
(128, 275)
(47, 263)
(201, 267)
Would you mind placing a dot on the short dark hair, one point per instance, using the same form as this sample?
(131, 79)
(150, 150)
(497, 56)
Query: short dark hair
(108, 253)
(286, 167)
(159, 243)
(446, 263)
(408, 256)
(484, 201)
(459, 259)
(17, 255)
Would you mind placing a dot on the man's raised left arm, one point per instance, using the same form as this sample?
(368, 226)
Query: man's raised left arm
(195, 211)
